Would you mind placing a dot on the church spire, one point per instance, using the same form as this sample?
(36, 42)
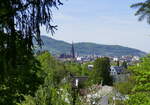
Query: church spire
(73, 50)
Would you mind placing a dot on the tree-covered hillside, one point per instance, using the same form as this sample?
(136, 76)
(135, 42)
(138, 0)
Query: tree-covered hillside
(58, 47)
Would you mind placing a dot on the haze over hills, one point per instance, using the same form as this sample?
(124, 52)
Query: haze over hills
(86, 48)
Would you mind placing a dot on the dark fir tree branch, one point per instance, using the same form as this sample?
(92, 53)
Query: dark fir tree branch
(21, 20)
(143, 10)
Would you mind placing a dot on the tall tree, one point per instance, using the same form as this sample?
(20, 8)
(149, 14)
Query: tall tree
(125, 65)
(20, 22)
(102, 71)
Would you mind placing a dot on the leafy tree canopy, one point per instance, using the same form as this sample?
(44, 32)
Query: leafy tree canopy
(141, 91)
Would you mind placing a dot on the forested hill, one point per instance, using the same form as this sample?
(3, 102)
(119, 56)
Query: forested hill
(59, 47)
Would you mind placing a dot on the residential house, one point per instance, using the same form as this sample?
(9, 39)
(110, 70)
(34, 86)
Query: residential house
(115, 70)
(118, 74)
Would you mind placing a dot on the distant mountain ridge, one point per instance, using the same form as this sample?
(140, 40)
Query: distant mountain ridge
(85, 48)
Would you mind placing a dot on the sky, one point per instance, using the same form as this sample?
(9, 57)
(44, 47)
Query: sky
(110, 22)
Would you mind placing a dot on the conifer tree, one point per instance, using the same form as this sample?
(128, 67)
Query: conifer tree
(20, 22)
(102, 71)
(143, 10)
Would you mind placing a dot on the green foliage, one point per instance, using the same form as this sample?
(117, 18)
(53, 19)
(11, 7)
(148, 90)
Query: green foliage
(101, 71)
(20, 22)
(56, 89)
(85, 70)
(139, 98)
(124, 87)
(53, 70)
(23, 80)
(49, 96)
(142, 75)
(124, 65)
(74, 68)
(141, 91)
(118, 102)
(18, 72)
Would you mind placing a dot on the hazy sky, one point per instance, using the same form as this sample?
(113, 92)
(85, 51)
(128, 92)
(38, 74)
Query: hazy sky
(101, 21)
